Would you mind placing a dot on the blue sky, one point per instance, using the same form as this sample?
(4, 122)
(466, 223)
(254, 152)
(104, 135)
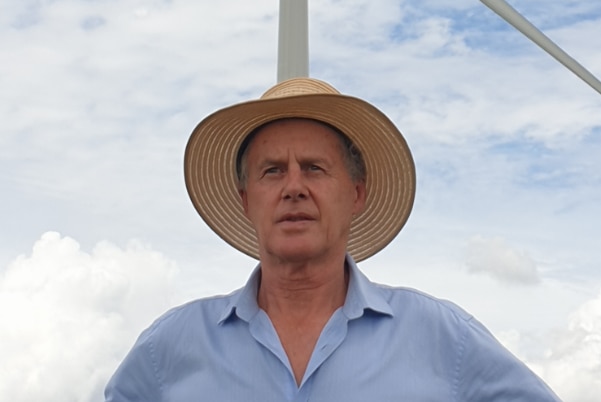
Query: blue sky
(98, 236)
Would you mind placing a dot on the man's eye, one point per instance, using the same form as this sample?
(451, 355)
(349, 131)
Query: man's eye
(271, 170)
(315, 168)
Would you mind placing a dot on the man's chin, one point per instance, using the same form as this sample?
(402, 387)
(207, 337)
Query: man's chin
(296, 253)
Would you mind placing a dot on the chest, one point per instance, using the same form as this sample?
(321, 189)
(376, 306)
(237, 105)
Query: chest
(347, 363)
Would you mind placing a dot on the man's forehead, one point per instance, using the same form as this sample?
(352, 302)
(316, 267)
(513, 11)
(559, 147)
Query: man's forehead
(299, 126)
(308, 125)
(298, 135)
(311, 126)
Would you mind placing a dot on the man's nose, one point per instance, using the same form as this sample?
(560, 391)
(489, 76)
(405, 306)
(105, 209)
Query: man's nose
(294, 185)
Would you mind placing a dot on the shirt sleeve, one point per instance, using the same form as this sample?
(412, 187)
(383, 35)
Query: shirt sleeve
(136, 378)
(487, 372)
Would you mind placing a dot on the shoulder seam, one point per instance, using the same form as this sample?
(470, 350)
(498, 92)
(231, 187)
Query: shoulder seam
(153, 360)
(453, 308)
(459, 363)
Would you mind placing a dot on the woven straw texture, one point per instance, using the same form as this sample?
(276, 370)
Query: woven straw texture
(210, 160)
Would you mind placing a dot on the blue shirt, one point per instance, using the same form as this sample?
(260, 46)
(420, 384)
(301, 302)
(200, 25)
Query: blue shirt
(384, 344)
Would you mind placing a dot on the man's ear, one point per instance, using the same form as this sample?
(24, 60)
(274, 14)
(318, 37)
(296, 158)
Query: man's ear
(360, 197)
(244, 200)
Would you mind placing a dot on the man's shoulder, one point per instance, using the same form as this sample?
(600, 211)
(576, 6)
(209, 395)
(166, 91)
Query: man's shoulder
(405, 300)
(192, 315)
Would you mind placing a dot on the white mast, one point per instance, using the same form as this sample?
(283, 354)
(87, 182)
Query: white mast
(510, 15)
(293, 41)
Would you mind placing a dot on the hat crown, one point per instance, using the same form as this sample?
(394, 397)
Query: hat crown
(299, 86)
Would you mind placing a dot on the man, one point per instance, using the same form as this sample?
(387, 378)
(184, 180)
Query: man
(309, 181)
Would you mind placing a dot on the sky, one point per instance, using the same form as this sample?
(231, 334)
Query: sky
(98, 236)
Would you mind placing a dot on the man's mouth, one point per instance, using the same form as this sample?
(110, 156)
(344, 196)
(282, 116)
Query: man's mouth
(295, 218)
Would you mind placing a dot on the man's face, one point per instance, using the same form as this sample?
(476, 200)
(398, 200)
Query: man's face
(299, 194)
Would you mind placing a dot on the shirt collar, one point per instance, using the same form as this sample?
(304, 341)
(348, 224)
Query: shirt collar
(362, 295)
(243, 302)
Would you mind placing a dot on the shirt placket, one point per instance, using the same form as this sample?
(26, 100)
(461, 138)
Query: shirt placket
(329, 340)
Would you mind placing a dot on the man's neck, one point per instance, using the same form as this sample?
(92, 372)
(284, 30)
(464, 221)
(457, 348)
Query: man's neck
(300, 299)
(301, 291)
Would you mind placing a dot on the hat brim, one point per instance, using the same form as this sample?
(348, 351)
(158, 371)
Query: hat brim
(210, 167)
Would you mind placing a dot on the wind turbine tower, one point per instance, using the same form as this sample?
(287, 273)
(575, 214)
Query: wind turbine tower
(293, 40)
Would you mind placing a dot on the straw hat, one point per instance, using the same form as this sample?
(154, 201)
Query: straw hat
(210, 162)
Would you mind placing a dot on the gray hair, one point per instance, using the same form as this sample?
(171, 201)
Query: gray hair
(352, 156)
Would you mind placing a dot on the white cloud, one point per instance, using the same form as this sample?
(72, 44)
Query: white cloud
(569, 359)
(573, 365)
(496, 258)
(70, 316)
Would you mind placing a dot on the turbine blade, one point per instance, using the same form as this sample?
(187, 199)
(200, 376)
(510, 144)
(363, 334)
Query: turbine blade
(509, 14)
